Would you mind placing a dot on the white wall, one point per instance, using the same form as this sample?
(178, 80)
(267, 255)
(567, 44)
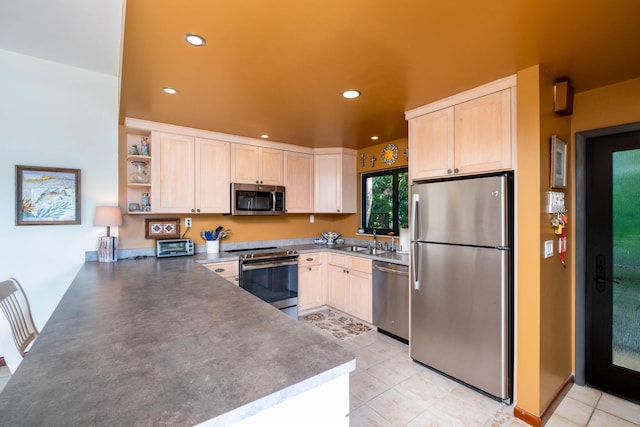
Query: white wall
(57, 116)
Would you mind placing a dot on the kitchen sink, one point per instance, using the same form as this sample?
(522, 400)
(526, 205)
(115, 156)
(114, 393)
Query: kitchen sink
(361, 249)
(372, 251)
(353, 248)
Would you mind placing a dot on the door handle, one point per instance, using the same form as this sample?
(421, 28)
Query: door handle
(601, 271)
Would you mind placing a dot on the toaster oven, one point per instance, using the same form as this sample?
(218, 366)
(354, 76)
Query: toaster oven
(174, 247)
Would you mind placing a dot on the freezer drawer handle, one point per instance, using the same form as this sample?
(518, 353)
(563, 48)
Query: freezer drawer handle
(391, 270)
(415, 267)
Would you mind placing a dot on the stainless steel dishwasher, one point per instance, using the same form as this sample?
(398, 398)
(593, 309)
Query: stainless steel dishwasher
(391, 298)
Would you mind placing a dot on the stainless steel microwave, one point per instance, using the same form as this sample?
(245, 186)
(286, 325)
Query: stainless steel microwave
(257, 199)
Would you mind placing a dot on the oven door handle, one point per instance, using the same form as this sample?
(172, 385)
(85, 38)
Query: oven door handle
(267, 264)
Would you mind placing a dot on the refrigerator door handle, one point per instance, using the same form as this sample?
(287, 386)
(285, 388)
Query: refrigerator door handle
(415, 266)
(415, 217)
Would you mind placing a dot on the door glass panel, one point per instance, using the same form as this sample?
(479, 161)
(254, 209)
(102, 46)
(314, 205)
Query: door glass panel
(626, 259)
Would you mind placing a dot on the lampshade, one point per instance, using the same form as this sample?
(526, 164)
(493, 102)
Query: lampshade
(108, 216)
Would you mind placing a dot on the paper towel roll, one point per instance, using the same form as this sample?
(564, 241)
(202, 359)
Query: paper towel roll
(404, 240)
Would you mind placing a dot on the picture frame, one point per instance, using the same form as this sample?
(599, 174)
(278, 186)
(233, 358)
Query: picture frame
(162, 228)
(558, 163)
(47, 196)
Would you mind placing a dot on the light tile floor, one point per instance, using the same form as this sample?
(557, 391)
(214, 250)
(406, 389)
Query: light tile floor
(389, 389)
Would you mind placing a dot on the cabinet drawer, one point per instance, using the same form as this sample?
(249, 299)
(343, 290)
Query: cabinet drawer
(360, 264)
(228, 270)
(335, 259)
(309, 259)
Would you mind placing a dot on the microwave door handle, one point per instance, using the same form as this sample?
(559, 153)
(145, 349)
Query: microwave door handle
(273, 201)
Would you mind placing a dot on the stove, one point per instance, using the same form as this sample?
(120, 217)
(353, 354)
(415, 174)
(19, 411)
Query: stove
(271, 274)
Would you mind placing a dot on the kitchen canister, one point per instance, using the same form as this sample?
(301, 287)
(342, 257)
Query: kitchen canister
(213, 246)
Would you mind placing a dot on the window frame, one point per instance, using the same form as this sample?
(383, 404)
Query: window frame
(396, 205)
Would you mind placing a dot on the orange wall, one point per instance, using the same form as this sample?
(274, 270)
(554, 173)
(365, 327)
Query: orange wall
(527, 178)
(607, 106)
(544, 292)
(401, 144)
(556, 297)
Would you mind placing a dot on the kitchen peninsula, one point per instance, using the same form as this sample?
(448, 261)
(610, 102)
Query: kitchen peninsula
(167, 342)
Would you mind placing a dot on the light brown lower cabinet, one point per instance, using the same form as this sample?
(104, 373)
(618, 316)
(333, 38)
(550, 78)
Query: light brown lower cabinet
(349, 287)
(310, 281)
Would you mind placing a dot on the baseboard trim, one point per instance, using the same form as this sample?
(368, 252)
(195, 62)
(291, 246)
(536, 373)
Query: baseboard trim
(527, 417)
(538, 421)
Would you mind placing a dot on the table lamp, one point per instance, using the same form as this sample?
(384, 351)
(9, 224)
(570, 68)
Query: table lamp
(109, 216)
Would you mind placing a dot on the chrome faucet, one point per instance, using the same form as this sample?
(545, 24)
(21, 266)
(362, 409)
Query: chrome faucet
(375, 241)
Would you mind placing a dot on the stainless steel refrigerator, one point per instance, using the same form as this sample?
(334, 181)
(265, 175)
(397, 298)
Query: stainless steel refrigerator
(462, 280)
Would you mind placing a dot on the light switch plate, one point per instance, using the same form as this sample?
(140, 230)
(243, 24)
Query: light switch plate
(548, 248)
(555, 202)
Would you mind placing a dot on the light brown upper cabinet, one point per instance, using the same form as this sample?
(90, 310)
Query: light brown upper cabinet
(189, 175)
(335, 183)
(298, 180)
(466, 134)
(251, 164)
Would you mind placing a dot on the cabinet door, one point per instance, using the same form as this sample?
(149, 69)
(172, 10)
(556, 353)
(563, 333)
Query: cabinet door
(328, 188)
(245, 163)
(360, 295)
(299, 182)
(348, 184)
(173, 173)
(483, 133)
(212, 190)
(431, 144)
(310, 292)
(337, 288)
(271, 166)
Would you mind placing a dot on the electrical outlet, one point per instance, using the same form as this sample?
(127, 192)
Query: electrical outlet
(555, 202)
(312, 219)
(187, 222)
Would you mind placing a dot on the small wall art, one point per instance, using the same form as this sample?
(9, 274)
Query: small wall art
(47, 196)
(162, 228)
(558, 163)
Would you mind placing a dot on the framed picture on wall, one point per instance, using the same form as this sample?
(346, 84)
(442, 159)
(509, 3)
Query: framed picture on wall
(47, 196)
(558, 163)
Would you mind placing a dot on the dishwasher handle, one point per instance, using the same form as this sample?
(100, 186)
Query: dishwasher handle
(391, 270)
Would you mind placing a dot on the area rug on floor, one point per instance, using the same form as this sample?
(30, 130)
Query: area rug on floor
(340, 326)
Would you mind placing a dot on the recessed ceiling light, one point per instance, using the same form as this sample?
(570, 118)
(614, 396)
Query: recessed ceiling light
(195, 40)
(351, 93)
(264, 136)
(375, 138)
(170, 90)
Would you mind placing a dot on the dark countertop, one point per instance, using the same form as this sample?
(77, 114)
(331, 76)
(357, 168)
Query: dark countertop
(164, 342)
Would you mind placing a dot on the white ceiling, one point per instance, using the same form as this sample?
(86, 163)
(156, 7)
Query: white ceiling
(81, 33)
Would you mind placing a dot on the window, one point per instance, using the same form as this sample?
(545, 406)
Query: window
(385, 201)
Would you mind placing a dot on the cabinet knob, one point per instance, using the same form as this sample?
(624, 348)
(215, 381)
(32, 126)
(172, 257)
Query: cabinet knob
(197, 210)
(337, 210)
(456, 170)
(309, 268)
(309, 259)
(193, 210)
(449, 171)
